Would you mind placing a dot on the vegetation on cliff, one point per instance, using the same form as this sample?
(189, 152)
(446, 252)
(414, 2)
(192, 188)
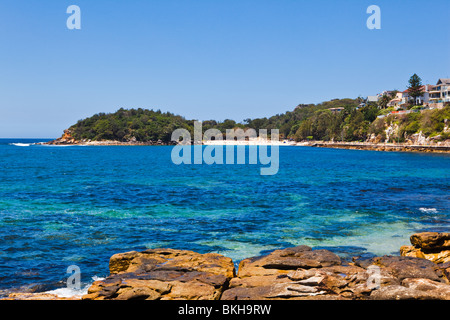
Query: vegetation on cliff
(363, 124)
(433, 123)
(337, 120)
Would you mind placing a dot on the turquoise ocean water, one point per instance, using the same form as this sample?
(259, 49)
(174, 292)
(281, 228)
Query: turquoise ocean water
(78, 205)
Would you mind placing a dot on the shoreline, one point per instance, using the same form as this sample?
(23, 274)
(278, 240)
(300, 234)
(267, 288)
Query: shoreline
(102, 143)
(399, 147)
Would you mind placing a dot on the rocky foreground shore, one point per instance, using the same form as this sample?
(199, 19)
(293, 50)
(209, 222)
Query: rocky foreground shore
(421, 272)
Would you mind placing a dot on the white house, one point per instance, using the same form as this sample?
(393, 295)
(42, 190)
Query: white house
(423, 99)
(372, 98)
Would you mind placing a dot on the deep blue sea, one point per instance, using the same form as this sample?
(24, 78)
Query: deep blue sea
(79, 205)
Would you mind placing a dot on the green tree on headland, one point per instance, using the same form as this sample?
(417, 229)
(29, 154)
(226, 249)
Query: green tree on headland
(415, 89)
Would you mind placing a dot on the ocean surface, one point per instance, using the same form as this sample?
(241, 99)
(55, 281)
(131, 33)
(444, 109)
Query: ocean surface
(79, 205)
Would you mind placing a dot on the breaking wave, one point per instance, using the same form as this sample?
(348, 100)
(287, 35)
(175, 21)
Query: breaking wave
(21, 144)
(428, 210)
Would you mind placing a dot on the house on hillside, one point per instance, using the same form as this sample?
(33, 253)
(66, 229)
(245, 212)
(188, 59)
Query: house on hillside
(432, 97)
(372, 98)
(336, 110)
(397, 101)
(440, 93)
(423, 99)
(388, 93)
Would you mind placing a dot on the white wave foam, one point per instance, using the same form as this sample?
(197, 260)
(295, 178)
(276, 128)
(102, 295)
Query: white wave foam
(428, 210)
(70, 293)
(21, 144)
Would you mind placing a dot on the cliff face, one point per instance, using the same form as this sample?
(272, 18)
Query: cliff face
(394, 132)
(66, 138)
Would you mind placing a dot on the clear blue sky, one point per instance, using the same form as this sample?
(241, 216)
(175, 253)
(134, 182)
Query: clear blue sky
(207, 59)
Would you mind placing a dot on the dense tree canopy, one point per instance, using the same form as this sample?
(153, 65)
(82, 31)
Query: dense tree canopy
(306, 122)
